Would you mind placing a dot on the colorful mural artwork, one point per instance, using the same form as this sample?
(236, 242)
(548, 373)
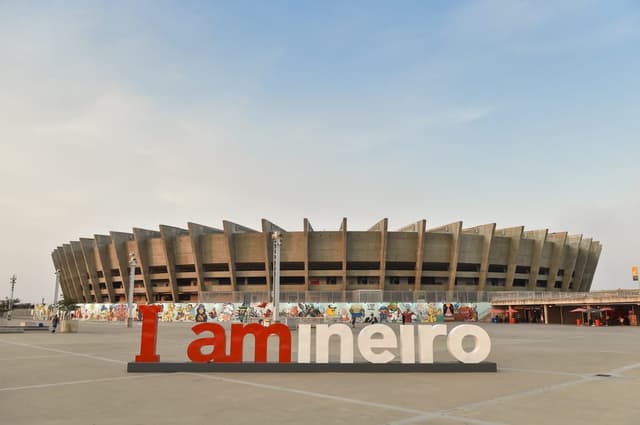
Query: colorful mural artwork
(325, 312)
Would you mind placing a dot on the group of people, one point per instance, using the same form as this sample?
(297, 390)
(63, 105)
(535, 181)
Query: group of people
(407, 317)
(371, 320)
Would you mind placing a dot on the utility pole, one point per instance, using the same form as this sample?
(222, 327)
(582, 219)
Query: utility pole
(275, 236)
(54, 304)
(132, 276)
(13, 285)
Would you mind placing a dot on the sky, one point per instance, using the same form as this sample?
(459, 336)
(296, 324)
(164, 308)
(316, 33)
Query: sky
(122, 114)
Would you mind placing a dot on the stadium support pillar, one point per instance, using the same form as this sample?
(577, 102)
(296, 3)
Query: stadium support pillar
(382, 227)
(590, 267)
(581, 262)
(515, 235)
(76, 288)
(141, 236)
(345, 248)
(539, 237)
(486, 231)
(571, 255)
(81, 269)
(454, 229)
(168, 235)
(557, 256)
(307, 228)
(195, 233)
(103, 263)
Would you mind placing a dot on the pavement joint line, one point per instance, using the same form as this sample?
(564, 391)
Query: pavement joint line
(56, 350)
(316, 394)
(544, 389)
(428, 418)
(34, 357)
(545, 372)
(515, 396)
(83, 381)
(411, 420)
(622, 369)
(421, 414)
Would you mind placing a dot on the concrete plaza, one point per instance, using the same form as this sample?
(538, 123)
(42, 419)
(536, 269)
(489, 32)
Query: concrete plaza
(546, 374)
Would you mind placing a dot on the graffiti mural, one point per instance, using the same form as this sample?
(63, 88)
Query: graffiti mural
(326, 312)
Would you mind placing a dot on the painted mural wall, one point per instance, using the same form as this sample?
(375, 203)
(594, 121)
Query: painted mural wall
(329, 312)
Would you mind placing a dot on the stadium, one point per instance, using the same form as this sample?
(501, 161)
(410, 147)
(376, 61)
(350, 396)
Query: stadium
(235, 263)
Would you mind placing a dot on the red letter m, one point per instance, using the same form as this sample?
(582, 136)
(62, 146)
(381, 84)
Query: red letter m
(261, 334)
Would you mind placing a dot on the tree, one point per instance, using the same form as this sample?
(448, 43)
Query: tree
(67, 306)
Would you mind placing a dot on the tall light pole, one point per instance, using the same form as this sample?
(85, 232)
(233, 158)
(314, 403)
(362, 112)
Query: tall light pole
(55, 293)
(275, 236)
(132, 276)
(13, 285)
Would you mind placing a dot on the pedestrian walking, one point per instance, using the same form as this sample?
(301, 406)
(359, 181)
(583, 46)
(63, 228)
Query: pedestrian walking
(54, 323)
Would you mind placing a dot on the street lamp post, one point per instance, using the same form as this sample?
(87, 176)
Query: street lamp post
(54, 304)
(275, 236)
(13, 285)
(132, 273)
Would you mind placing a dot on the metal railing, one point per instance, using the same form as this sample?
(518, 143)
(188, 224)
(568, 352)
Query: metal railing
(375, 296)
(531, 297)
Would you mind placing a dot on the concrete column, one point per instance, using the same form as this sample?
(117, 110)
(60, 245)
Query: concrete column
(119, 243)
(229, 229)
(307, 228)
(81, 269)
(572, 246)
(590, 267)
(141, 237)
(455, 230)
(59, 263)
(581, 262)
(546, 314)
(421, 229)
(539, 237)
(486, 231)
(103, 263)
(557, 257)
(72, 274)
(88, 248)
(66, 273)
(168, 235)
(382, 227)
(515, 235)
(343, 229)
(195, 232)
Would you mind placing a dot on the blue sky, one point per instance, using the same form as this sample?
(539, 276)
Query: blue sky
(121, 114)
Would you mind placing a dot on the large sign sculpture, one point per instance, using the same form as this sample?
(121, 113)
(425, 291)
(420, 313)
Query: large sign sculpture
(374, 342)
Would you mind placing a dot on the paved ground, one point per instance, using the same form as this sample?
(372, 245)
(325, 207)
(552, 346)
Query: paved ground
(547, 375)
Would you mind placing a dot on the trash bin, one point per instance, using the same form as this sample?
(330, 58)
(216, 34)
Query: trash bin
(597, 322)
(578, 322)
(512, 320)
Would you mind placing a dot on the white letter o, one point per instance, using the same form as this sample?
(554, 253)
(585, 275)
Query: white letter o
(482, 343)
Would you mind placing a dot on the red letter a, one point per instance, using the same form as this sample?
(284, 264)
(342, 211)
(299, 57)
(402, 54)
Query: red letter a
(218, 342)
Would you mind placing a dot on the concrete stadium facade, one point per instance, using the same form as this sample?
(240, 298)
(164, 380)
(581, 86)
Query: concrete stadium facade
(180, 265)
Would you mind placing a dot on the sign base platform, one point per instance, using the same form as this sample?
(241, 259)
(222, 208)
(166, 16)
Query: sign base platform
(448, 367)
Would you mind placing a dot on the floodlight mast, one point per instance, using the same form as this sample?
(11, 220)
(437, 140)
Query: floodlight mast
(54, 304)
(13, 285)
(132, 273)
(277, 242)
